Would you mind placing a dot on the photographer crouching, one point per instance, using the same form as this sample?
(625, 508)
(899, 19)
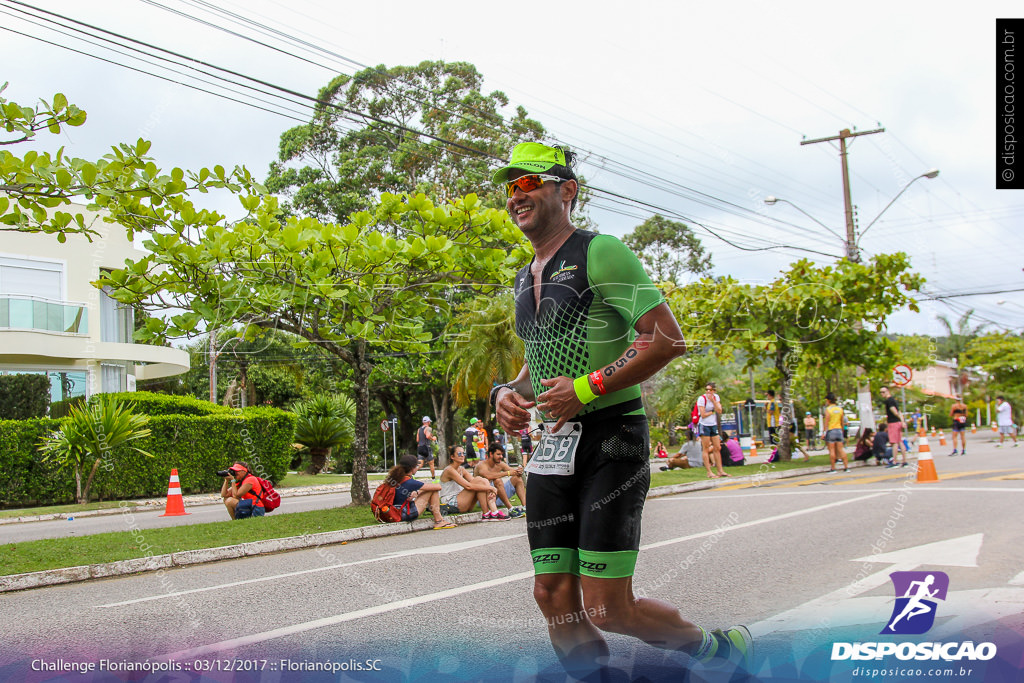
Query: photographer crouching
(241, 492)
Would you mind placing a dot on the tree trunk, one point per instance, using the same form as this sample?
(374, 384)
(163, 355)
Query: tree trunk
(786, 416)
(440, 404)
(83, 494)
(78, 485)
(361, 377)
(317, 460)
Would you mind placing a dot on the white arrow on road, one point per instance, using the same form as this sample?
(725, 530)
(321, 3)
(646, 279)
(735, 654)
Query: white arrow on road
(844, 608)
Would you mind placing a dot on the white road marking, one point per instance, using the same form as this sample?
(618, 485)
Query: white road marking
(448, 548)
(821, 491)
(733, 527)
(413, 602)
(337, 619)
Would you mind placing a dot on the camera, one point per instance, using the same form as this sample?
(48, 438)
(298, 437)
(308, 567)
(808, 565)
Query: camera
(224, 473)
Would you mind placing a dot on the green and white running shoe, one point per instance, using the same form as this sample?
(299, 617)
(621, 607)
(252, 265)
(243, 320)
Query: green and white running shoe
(735, 649)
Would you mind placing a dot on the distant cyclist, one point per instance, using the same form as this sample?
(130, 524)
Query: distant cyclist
(593, 327)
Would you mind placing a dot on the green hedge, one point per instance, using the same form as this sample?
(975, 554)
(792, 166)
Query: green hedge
(148, 403)
(197, 445)
(23, 397)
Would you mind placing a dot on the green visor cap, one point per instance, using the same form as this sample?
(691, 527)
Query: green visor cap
(532, 157)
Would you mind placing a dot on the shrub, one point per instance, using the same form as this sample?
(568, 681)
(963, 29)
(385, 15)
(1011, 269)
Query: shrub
(148, 403)
(23, 397)
(59, 409)
(197, 445)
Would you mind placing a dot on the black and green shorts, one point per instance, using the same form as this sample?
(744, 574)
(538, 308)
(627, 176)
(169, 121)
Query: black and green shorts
(589, 522)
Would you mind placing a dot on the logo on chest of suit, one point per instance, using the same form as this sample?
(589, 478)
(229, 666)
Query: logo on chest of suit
(563, 272)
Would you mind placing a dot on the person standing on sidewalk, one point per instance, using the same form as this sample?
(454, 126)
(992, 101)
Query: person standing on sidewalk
(958, 416)
(1004, 418)
(835, 419)
(894, 425)
(771, 416)
(810, 425)
(424, 445)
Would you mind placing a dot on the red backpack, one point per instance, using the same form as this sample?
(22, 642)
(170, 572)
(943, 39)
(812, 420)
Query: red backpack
(271, 498)
(695, 415)
(383, 504)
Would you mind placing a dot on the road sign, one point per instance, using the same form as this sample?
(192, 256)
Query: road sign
(901, 375)
(384, 425)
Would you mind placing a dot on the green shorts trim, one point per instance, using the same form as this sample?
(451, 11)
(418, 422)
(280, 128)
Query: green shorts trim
(618, 564)
(556, 561)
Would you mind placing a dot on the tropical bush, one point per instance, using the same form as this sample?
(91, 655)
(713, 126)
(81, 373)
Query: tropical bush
(24, 396)
(324, 422)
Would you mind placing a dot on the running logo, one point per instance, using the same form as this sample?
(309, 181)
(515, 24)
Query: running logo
(916, 595)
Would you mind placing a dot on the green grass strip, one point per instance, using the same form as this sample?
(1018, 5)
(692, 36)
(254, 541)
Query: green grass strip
(54, 553)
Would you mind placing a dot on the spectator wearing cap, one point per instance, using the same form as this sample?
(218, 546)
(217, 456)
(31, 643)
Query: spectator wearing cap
(424, 449)
(810, 426)
(476, 442)
(500, 439)
(242, 492)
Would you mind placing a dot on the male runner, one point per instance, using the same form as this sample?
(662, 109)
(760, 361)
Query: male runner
(594, 327)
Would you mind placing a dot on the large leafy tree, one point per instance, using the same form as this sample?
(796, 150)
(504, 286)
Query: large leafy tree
(36, 187)
(371, 283)
(426, 128)
(668, 249)
(959, 336)
(1001, 356)
(806, 315)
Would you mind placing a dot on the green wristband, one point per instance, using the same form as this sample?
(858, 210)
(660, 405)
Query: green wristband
(583, 391)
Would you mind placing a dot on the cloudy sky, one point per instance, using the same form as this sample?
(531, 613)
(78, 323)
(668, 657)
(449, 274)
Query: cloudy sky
(697, 110)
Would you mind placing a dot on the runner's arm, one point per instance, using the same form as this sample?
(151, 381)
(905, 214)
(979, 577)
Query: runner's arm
(512, 406)
(658, 341)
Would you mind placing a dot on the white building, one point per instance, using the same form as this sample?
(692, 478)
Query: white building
(53, 321)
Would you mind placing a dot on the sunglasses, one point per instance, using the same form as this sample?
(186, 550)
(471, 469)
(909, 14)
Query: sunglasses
(529, 183)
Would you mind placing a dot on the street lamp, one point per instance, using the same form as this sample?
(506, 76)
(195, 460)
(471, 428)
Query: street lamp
(771, 201)
(933, 173)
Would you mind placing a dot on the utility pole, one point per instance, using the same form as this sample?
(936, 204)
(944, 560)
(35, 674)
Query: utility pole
(867, 415)
(213, 366)
(851, 237)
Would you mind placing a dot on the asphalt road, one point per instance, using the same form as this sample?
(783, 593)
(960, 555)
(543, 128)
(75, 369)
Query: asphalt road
(804, 562)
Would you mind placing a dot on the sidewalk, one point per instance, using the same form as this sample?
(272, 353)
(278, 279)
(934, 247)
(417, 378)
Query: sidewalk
(185, 558)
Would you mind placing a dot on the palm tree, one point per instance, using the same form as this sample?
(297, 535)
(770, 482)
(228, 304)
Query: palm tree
(959, 338)
(93, 432)
(486, 349)
(324, 422)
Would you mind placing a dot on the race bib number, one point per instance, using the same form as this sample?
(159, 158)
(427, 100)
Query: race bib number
(556, 452)
(961, 419)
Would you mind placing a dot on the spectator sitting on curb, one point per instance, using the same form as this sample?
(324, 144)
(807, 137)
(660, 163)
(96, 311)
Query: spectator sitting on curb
(865, 444)
(732, 454)
(495, 470)
(880, 447)
(423, 495)
(242, 493)
(460, 491)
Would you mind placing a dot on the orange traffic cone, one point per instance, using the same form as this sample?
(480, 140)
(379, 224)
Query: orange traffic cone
(994, 428)
(974, 428)
(942, 438)
(175, 503)
(753, 448)
(925, 464)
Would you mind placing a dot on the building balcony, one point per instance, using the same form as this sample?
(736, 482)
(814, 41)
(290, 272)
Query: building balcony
(43, 315)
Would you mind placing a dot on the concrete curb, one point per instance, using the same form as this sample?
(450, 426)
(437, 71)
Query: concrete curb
(190, 501)
(52, 577)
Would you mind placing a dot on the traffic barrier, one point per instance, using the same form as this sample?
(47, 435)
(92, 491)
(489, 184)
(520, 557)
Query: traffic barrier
(925, 464)
(942, 438)
(175, 502)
